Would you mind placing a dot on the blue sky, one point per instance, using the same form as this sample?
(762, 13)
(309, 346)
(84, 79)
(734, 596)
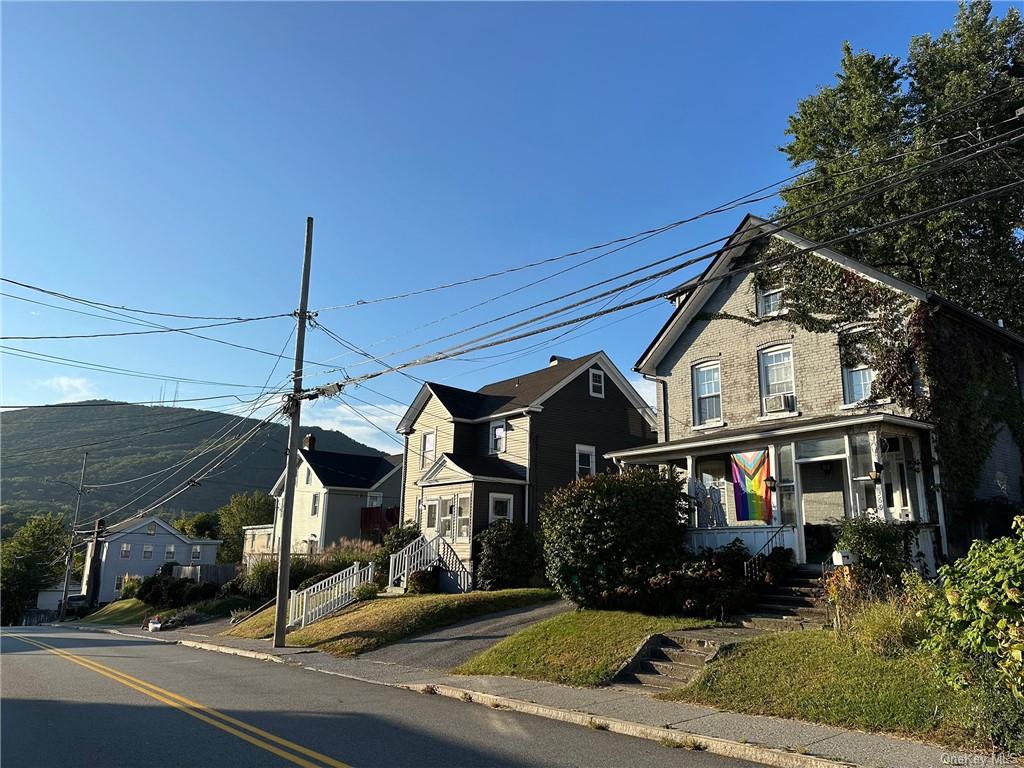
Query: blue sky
(165, 157)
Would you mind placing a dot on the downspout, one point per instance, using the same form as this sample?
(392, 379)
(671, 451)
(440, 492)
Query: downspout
(405, 477)
(663, 438)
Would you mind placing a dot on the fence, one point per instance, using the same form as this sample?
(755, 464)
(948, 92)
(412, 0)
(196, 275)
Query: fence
(327, 596)
(208, 572)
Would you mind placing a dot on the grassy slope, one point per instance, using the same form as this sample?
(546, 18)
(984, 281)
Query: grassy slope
(129, 611)
(379, 622)
(815, 676)
(577, 648)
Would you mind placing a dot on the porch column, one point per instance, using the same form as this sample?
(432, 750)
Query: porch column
(940, 509)
(874, 443)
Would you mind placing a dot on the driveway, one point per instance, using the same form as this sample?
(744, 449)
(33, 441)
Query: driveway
(448, 647)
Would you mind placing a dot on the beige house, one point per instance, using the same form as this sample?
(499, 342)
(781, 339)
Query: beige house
(763, 389)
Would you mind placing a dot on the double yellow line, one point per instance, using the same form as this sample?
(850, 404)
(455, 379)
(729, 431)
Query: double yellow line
(248, 733)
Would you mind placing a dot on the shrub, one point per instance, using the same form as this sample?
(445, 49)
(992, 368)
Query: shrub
(167, 569)
(230, 588)
(196, 593)
(186, 616)
(395, 540)
(366, 591)
(606, 536)
(507, 556)
(315, 579)
(130, 587)
(776, 565)
(302, 569)
(895, 625)
(423, 582)
(879, 546)
(260, 579)
(176, 591)
(709, 584)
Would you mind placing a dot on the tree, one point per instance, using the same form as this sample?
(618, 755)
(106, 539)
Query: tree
(256, 508)
(31, 560)
(880, 107)
(202, 525)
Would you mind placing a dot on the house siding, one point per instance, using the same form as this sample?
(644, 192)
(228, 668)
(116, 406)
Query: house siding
(434, 418)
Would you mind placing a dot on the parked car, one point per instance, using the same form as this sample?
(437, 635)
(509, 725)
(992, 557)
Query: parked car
(78, 606)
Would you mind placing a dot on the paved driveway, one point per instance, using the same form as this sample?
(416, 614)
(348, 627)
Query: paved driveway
(448, 647)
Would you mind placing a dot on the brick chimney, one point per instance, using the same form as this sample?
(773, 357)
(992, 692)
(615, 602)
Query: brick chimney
(309, 442)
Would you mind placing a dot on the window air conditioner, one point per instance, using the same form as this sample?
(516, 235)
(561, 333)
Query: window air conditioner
(777, 403)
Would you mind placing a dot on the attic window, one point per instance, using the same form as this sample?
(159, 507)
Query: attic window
(769, 301)
(596, 382)
(427, 447)
(309, 475)
(151, 529)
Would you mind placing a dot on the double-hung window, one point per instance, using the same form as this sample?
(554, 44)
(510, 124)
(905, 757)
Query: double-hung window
(314, 508)
(309, 475)
(147, 551)
(707, 393)
(497, 437)
(428, 443)
(777, 389)
(374, 499)
(857, 382)
(596, 382)
(168, 552)
(500, 505)
(769, 301)
(197, 552)
(119, 582)
(586, 461)
(126, 551)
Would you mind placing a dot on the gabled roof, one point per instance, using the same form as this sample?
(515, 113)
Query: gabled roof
(130, 526)
(346, 470)
(474, 467)
(692, 295)
(519, 393)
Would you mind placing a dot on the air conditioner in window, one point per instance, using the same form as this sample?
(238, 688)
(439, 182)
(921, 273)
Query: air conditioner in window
(778, 403)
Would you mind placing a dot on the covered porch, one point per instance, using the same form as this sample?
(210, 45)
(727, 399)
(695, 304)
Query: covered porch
(790, 485)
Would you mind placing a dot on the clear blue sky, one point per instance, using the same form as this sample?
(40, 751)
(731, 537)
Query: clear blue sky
(165, 156)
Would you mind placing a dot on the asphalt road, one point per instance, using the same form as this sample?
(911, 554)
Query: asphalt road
(72, 698)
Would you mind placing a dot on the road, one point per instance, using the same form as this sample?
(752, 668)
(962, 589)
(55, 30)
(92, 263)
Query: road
(73, 698)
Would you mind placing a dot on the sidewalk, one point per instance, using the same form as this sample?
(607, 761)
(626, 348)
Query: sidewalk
(767, 740)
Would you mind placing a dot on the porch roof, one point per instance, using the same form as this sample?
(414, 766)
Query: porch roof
(770, 431)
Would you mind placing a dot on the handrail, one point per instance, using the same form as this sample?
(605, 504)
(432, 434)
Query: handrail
(423, 553)
(327, 596)
(751, 568)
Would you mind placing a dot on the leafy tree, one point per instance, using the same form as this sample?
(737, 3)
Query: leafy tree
(880, 107)
(256, 508)
(202, 525)
(31, 560)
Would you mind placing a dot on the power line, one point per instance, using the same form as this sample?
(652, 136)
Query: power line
(132, 333)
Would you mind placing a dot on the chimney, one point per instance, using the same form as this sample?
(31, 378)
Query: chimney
(556, 359)
(309, 442)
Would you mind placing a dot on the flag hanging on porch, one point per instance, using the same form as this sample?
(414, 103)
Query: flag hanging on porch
(749, 475)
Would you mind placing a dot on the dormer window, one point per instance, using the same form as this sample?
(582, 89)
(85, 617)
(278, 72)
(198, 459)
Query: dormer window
(596, 382)
(769, 301)
(497, 437)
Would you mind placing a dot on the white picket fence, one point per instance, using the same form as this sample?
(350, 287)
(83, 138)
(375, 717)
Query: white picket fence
(423, 553)
(327, 596)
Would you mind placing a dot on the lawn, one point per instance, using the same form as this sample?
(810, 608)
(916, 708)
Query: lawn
(818, 677)
(382, 621)
(576, 648)
(130, 611)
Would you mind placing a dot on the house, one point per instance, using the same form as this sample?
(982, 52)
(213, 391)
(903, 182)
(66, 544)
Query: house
(494, 454)
(138, 547)
(777, 430)
(337, 496)
(49, 599)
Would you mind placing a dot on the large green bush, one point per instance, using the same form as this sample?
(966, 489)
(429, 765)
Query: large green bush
(507, 556)
(606, 536)
(260, 579)
(879, 545)
(709, 584)
(395, 540)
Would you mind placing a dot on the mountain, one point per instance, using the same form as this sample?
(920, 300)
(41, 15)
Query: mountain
(39, 445)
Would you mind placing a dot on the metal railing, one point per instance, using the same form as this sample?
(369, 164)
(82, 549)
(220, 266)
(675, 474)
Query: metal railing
(752, 570)
(327, 596)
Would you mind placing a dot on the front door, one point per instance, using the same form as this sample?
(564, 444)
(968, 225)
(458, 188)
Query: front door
(894, 478)
(823, 505)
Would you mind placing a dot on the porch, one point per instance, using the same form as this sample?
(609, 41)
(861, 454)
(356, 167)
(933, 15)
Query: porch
(791, 485)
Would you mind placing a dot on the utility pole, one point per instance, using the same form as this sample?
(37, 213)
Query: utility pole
(71, 542)
(293, 408)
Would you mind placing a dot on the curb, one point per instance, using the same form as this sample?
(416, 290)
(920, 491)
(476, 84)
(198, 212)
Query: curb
(670, 737)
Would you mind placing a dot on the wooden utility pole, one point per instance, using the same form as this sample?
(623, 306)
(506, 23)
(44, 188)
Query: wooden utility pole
(291, 466)
(71, 543)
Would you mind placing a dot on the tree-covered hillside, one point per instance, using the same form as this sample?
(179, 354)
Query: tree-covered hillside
(129, 441)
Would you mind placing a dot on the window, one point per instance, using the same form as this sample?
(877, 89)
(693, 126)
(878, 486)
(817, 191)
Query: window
(586, 461)
(707, 391)
(147, 551)
(444, 521)
(464, 516)
(314, 508)
(769, 301)
(126, 551)
(596, 382)
(785, 488)
(821, 448)
(309, 475)
(151, 529)
(857, 383)
(500, 506)
(428, 443)
(374, 499)
(497, 438)
(432, 514)
(777, 388)
(197, 552)
(169, 552)
(119, 582)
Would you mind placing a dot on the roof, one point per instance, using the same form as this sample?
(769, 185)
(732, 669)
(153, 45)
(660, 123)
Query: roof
(691, 296)
(473, 466)
(129, 526)
(349, 470)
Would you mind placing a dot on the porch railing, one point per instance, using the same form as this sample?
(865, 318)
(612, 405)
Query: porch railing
(423, 553)
(752, 570)
(327, 596)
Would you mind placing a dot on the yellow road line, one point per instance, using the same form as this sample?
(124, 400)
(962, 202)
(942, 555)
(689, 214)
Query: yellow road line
(195, 709)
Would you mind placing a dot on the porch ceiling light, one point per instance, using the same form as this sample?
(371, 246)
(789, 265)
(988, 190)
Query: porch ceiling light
(770, 483)
(876, 473)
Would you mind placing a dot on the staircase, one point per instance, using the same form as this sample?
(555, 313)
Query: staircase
(674, 659)
(425, 553)
(794, 603)
(327, 596)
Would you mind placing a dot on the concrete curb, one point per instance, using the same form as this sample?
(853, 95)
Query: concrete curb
(259, 655)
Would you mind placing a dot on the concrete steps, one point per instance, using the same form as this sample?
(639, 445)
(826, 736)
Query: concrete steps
(795, 603)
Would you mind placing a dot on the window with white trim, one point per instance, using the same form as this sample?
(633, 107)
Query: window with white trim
(432, 513)
(499, 507)
(374, 499)
(776, 373)
(169, 552)
(314, 505)
(151, 529)
(857, 380)
(769, 301)
(707, 394)
(147, 551)
(309, 475)
(586, 461)
(463, 515)
(428, 444)
(497, 436)
(119, 583)
(596, 382)
(126, 551)
(197, 552)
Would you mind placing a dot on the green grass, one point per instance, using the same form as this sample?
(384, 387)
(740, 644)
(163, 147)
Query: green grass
(130, 611)
(818, 677)
(382, 621)
(576, 648)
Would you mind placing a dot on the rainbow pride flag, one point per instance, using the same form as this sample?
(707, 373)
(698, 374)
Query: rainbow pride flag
(749, 472)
